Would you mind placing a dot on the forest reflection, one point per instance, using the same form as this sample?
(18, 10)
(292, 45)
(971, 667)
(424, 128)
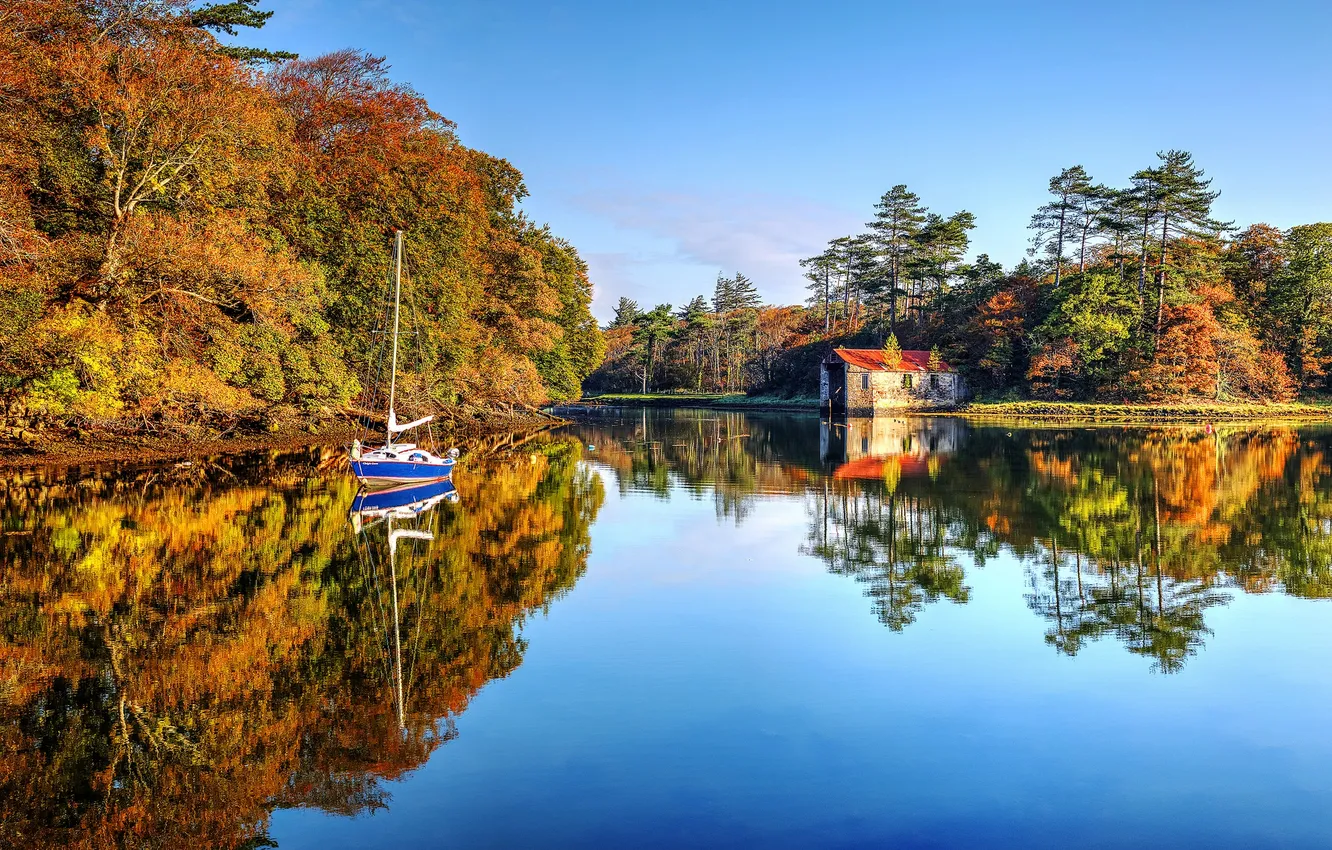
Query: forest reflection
(1124, 533)
(184, 650)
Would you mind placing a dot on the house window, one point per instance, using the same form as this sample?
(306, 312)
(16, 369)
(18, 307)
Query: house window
(934, 381)
(906, 382)
(864, 381)
(864, 445)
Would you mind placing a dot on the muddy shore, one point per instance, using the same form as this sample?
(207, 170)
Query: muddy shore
(68, 448)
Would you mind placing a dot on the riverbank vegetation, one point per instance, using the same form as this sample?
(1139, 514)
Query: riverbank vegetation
(1129, 294)
(195, 238)
(1196, 411)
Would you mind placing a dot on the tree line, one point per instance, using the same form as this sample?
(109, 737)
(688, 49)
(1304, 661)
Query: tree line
(1129, 292)
(729, 342)
(196, 233)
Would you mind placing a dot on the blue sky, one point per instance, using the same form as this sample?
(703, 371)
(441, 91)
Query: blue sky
(671, 141)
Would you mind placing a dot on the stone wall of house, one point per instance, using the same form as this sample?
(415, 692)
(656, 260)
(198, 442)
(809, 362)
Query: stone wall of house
(900, 390)
(868, 392)
(908, 389)
(859, 399)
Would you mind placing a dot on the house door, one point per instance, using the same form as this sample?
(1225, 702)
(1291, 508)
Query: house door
(836, 386)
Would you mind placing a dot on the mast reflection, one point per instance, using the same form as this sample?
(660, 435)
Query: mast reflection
(408, 504)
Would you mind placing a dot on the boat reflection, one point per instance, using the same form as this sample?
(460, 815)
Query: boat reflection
(371, 508)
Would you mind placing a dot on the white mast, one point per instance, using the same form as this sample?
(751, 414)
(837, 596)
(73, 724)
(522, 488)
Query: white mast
(397, 297)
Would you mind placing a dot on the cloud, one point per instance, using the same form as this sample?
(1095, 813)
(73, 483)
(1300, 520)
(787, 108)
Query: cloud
(764, 236)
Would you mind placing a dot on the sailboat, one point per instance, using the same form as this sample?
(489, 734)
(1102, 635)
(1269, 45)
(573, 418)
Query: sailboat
(395, 462)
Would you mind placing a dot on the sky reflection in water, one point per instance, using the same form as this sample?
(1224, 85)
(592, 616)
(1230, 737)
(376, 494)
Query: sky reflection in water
(709, 629)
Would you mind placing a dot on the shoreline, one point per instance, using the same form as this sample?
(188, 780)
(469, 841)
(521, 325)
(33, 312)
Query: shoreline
(481, 436)
(707, 401)
(1037, 411)
(1166, 413)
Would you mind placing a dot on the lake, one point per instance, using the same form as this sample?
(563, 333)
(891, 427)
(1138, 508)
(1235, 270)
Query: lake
(682, 628)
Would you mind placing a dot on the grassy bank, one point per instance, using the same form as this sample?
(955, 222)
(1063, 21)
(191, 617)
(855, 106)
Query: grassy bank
(729, 401)
(1050, 411)
(1164, 412)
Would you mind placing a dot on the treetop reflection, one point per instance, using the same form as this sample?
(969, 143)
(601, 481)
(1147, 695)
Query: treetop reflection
(1130, 533)
(183, 650)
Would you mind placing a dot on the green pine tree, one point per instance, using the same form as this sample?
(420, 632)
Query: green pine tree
(225, 17)
(626, 313)
(897, 217)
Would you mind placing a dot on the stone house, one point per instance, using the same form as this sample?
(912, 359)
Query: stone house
(858, 382)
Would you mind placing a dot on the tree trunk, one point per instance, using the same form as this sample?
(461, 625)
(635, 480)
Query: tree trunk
(892, 299)
(1161, 278)
(1082, 249)
(846, 298)
(827, 296)
(1059, 242)
(1142, 259)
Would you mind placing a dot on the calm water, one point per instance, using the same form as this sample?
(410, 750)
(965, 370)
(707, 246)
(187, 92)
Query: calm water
(683, 629)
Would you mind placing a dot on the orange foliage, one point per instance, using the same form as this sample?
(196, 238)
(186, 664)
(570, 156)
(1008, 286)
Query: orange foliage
(1054, 369)
(1185, 361)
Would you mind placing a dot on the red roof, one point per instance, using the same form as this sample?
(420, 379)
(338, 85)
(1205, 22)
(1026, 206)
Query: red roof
(872, 360)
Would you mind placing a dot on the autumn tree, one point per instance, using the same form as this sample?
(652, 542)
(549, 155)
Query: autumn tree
(1252, 259)
(184, 239)
(997, 339)
(892, 352)
(173, 126)
(1090, 325)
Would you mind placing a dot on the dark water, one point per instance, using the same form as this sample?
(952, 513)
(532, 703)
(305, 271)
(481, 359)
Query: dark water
(668, 629)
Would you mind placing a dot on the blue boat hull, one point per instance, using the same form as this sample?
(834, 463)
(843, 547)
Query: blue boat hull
(399, 471)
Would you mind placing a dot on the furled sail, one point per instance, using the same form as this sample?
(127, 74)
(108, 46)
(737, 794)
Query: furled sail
(395, 428)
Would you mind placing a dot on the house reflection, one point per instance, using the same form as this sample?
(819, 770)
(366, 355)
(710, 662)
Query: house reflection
(873, 448)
